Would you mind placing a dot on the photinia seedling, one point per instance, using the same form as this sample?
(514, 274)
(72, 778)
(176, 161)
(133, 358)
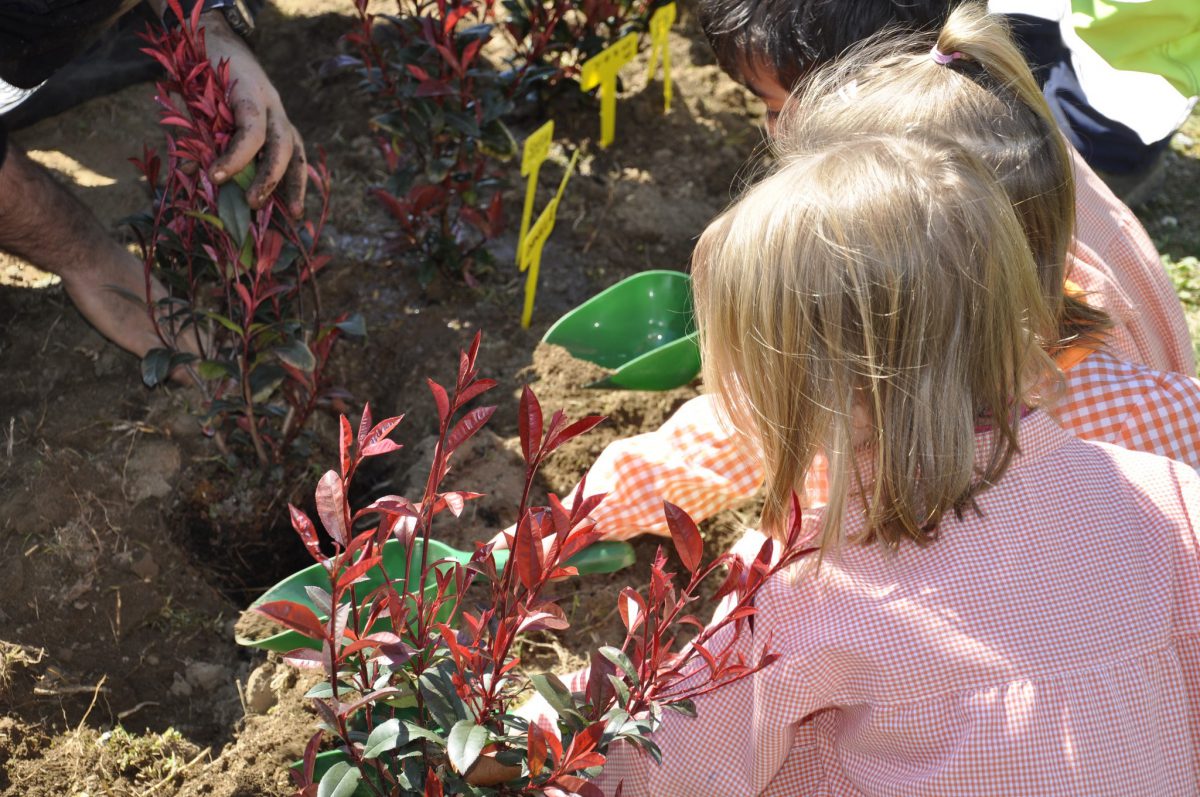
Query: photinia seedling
(421, 675)
(243, 316)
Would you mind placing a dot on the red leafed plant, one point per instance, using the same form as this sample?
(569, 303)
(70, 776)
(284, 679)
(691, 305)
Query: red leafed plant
(421, 676)
(439, 127)
(552, 38)
(242, 314)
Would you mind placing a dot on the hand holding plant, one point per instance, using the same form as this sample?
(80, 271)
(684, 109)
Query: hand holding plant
(241, 281)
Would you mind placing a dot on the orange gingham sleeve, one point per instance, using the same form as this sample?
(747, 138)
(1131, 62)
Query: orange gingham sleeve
(693, 460)
(1127, 257)
(1134, 407)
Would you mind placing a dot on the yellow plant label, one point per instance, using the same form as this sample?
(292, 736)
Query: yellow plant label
(530, 251)
(660, 29)
(601, 70)
(537, 148)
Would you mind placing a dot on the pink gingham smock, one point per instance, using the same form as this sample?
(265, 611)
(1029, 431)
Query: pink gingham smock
(1116, 264)
(1050, 646)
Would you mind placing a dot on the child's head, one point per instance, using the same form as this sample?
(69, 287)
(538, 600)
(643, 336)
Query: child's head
(986, 99)
(888, 279)
(770, 44)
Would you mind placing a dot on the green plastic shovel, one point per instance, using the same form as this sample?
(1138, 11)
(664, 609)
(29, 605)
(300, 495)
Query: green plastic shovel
(601, 557)
(642, 329)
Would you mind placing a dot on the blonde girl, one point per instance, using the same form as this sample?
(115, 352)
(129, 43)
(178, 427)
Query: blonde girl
(965, 630)
(985, 98)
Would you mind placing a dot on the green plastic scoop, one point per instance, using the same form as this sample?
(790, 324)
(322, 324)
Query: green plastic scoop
(601, 557)
(641, 328)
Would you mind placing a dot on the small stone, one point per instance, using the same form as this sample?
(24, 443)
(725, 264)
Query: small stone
(180, 687)
(145, 567)
(1169, 221)
(207, 676)
(152, 468)
(259, 694)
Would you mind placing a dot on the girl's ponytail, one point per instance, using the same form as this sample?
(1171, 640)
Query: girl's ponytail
(967, 81)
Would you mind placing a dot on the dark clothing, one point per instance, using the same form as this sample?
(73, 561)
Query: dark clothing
(38, 37)
(1107, 145)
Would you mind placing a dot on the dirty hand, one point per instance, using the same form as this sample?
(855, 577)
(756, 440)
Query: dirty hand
(263, 128)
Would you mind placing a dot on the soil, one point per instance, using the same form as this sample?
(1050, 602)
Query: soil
(128, 547)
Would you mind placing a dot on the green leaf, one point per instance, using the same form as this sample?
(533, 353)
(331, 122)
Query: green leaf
(339, 781)
(208, 217)
(155, 366)
(246, 176)
(355, 325)
(417, 732)
(685, 707)
(555, 691)
(297, 355)
(223, 321)
(383, 739)
(216, 369)
(234, 210)
(622, 661)
(465, 743)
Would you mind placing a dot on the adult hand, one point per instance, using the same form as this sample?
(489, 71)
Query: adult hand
(263, 128)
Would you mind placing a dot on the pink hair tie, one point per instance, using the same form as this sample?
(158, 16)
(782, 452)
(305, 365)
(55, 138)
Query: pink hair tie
(942, 58)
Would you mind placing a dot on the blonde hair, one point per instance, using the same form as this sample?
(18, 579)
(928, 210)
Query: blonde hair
(888, 273)
(988, 101)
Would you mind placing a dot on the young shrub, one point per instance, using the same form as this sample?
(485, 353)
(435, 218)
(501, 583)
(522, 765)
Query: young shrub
(421, 686)
(552, 38)
(440, 128)
(243, 317)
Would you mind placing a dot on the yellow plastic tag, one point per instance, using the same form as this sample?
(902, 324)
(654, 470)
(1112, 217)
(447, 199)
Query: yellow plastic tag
(660, 29)
(537, 147)
(535, 240)
(601, 70)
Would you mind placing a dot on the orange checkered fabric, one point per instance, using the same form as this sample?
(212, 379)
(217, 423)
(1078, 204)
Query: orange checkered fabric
(1043, 646)
(1132, 406)
(696, 462)
(1116, 263)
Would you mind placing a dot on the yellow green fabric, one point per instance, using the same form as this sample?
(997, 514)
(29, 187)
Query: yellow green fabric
(1157, 36)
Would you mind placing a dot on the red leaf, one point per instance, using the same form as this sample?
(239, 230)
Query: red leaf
(527, 551)
(529, 421)
(582, 426)
(547, 616)
(418, 72)
(470, 423)
(294, 616)
(364, 424)
(475, 389)
(306, 659)
(356, 571)
(332, 509)
(308, 533)
(454, 16)
(688, 543)
(433, 786)
(379, 447)
(713, 667)
(632, 607)
(440, 398)
(346, 445)
(495, 216)
(584, 742)
(537, 749)
(381, 430)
